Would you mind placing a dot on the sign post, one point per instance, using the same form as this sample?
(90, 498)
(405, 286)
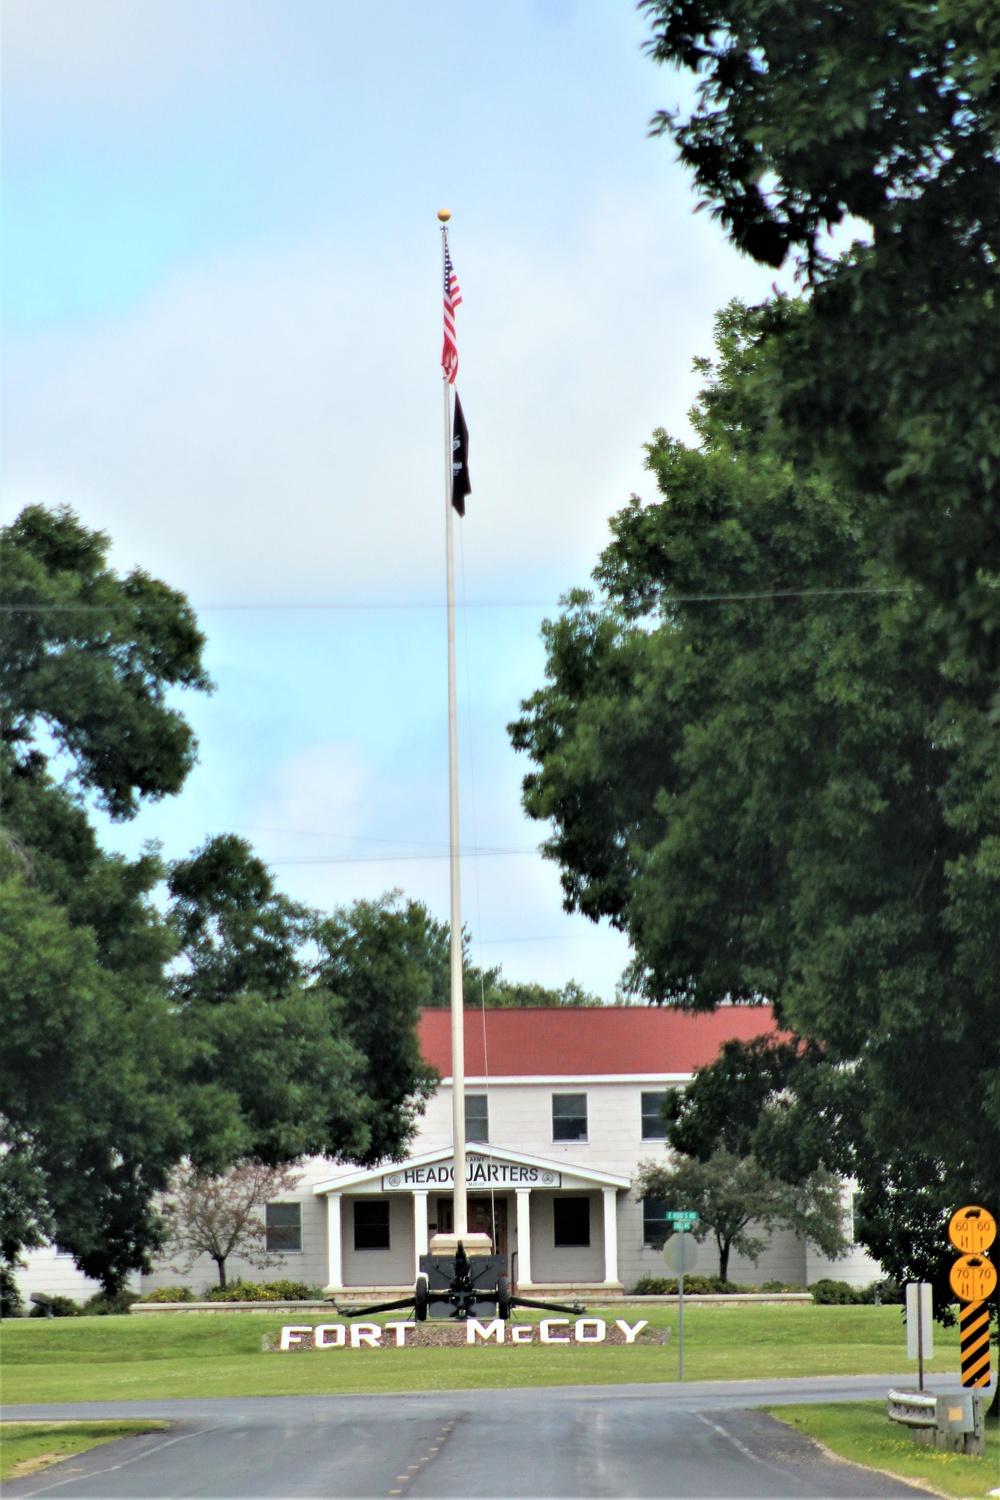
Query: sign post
(919, 1324)
(681, 1254)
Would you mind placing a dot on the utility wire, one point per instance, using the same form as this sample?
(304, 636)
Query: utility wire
(384, 859)
(334, 606)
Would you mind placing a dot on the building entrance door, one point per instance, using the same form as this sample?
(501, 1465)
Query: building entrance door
(486, 1216)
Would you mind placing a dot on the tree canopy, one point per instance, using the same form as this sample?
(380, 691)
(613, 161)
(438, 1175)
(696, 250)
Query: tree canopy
(772, 768)
(93, 1066)
(152, 1015)
(810, 113)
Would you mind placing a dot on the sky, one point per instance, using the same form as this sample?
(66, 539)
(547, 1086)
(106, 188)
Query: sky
(221, 339)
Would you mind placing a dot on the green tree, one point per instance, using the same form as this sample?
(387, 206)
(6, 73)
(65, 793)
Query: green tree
(780, 789)
(93, 1109)
(136, 1037)
(307, 1023)
(810, 111)
(369, 960)
(426, 942)
(517, 994)
(89, 659)
(91, 1073)
(733, 1195)
(236, 931)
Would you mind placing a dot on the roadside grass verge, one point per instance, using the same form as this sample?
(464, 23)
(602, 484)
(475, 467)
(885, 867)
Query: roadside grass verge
(27, 1447)
(219, 1354)
(861, 1432)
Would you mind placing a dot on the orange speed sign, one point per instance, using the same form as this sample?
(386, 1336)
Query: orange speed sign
(973, 1278)
(972, 1230)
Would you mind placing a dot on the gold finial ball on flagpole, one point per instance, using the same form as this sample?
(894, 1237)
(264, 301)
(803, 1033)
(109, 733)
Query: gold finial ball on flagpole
(444, 214)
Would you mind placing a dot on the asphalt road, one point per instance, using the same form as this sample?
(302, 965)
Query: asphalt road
(701, 1440)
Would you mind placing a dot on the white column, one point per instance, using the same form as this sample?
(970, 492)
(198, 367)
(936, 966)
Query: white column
(334, 1244)
(610, 1236)
(523, 1196)
(419, 1229)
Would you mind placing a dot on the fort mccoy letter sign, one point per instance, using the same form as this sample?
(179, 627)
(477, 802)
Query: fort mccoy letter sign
(400, 1334)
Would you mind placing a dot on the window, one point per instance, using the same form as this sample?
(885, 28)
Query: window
(477, 1118)
(654, 1126)
(571, 1221)
(655, 1229)
(283, 1226)
(569, 1117)
(371, 1224)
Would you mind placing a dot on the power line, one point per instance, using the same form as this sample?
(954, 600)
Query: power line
(333, 606)
(374, 606)
(382, 859)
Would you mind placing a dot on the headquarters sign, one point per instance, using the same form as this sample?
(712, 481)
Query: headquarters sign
(480, 1172)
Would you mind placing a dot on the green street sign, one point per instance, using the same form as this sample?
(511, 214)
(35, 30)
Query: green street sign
(681, 1216)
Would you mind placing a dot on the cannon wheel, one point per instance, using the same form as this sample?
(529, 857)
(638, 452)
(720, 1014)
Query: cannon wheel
(420, 1299)
(503, 1297)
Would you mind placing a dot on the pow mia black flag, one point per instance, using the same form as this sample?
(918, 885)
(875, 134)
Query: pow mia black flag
(461, 484)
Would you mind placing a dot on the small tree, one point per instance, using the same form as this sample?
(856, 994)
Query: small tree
(220, 1216)
(729, 1193)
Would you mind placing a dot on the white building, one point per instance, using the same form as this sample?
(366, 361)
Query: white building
(562, 1106)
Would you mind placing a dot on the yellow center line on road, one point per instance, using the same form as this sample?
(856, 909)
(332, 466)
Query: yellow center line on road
(442, 1437)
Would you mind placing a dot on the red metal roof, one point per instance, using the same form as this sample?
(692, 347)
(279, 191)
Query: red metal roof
(565, 1041)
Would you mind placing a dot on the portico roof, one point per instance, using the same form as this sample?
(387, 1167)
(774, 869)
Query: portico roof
(556, 1170)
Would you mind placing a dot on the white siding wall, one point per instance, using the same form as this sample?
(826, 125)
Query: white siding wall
(575, 1263)
(392, 1267)
(520, 1118)
(56, 1276)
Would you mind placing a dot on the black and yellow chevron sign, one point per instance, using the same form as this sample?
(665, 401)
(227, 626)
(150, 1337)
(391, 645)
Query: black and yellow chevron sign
(974, 1322)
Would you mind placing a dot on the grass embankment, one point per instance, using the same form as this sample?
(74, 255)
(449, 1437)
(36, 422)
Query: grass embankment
(219, 1354)
(860, 1431)
(27, 1447)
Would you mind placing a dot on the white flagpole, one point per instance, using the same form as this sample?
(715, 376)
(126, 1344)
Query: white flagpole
(461, 1209)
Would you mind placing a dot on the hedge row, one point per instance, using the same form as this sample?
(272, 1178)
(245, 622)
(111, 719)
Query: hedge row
(706, 1286)
(825, 1292)
(239, 1291)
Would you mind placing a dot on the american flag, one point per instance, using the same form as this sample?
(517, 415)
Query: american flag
(452, 298)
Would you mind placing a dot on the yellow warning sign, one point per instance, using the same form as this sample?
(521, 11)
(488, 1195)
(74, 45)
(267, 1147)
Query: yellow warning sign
(972, 1230)
(973, 1278)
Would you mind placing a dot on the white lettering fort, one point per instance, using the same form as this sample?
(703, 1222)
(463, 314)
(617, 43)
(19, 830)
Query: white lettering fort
(396, 1335)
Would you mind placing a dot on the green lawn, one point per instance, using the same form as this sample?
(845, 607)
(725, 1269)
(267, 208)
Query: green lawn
(206, 1354)
(860, 1430)
(27, 1447)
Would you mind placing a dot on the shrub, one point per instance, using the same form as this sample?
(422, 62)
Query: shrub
(11, 1301)
(60, 1307)
(887, 1292)
(102, 1306)
(170, 1294)
(830, 1293)
(256, 1291)
(694, 1286)
(783, 1286)
(287, 1291)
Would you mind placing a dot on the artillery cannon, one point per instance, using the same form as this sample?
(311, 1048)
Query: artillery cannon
(461, 1286)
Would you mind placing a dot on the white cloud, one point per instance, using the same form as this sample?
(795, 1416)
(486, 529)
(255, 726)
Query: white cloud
(269, 427)
(322, 788)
